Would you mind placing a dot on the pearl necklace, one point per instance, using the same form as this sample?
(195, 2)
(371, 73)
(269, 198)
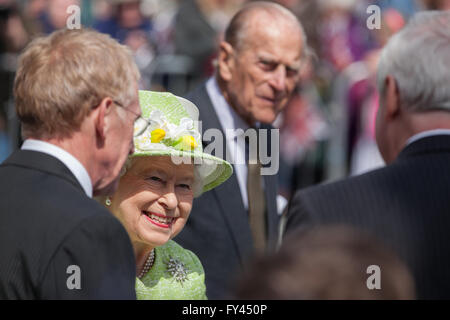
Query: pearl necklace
(148, 264)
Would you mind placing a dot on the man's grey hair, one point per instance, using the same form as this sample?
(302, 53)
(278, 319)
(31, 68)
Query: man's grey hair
(418, 58)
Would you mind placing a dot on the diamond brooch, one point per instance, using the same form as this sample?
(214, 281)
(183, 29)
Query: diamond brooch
(177, 269)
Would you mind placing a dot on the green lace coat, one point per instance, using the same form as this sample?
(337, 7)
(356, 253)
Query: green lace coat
(184, 281)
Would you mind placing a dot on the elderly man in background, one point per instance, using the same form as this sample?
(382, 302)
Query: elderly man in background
(257, 72)
(405, 204)
(77, 99)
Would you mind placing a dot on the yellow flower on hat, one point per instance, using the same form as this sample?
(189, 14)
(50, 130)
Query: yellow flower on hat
(186, 143)
(157, 135)
(190, 141)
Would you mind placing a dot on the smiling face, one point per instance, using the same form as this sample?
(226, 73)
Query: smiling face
(154, 199)
(261, 75)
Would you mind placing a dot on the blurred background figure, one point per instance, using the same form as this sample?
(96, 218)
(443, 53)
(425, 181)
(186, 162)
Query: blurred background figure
(53, 16)
(122, 20)
(5, 144)
(326, 263)
(199, 25)
(437, 4)
(362, 100)
(130, 24)
(16, 30)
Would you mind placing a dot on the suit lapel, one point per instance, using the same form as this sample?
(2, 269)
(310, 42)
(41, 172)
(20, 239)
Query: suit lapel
(235, 215)
(233, 211)
(42, 162)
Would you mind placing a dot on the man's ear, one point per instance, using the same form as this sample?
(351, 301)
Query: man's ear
(102, 117)
(225, 61)
(391, 98)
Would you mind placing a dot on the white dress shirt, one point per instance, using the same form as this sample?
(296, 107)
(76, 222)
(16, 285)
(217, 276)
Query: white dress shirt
(69, 161)
(230, 120)
(428, 133)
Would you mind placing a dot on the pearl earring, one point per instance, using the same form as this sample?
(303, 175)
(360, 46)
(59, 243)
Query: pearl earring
(108, 201)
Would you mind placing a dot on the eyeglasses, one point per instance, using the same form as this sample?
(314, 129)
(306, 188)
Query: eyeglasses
(140, 124)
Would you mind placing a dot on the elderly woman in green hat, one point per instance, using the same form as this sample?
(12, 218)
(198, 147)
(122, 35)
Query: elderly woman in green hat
(155, 193)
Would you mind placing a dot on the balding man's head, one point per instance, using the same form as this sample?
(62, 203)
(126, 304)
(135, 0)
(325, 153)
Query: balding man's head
(260, 59)
(237, 31)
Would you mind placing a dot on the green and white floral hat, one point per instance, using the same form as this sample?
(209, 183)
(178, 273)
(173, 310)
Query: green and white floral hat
(173, 131)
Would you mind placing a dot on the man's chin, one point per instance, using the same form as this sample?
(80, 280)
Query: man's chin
(267, 115)
(266, 118)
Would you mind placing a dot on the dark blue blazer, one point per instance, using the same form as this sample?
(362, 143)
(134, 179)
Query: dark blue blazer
(47, 224)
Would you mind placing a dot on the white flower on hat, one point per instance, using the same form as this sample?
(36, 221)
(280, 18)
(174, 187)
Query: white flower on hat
(161, 134)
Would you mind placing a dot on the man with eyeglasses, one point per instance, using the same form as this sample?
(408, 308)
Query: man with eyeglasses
(76, 94)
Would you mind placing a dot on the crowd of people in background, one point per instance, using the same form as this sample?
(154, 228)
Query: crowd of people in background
(327, 130)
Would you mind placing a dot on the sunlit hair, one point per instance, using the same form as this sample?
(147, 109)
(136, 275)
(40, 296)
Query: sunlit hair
(418, 58)
(62, 76)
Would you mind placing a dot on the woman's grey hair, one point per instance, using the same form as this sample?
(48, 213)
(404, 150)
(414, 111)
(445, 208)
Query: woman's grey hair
(198, 181)
(418, 58)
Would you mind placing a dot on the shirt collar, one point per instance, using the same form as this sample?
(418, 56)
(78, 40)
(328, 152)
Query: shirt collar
(69, 161)
(428, 133)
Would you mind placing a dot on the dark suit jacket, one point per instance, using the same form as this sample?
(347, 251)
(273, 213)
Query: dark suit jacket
(406, 205)
(218, 230)
(47, 223)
